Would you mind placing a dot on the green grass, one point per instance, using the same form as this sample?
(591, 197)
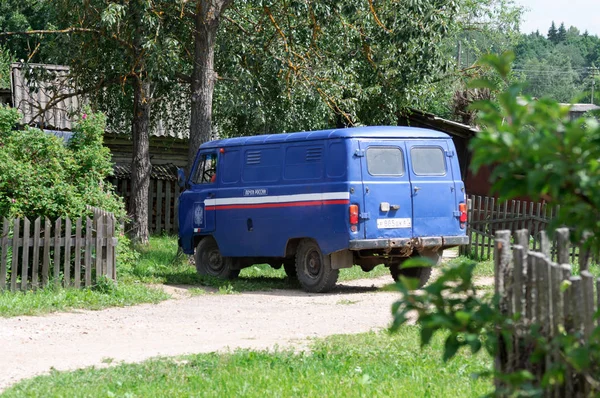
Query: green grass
(364, 365)
(159, 263)
(58, 299)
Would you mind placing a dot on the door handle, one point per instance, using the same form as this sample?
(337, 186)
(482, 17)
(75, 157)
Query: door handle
(417, 189)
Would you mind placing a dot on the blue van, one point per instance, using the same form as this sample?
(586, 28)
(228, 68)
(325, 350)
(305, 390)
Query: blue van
(316, 202)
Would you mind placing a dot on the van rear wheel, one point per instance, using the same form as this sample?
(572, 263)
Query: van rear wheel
(210, 262)
(313, 268)
(421, 273)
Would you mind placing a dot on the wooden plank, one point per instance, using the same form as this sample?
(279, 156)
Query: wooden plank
(67, 264)
(558, 321)
(77, 267)
(88, 252)
(99, 235)
(476, 217)
(584, 257)
(530, 290)
(159, 206)
(46, 254)
(567, 316)
(486, 205)
(36, 253)
(518, 304)
(502, 254)
(545, 247)
(168, 205)
(14, 268)
(504, 214)
(530, 224)
(151, 186)
(176, 220)
(492, 227)
(25, 261)
(562, 245)
(110, 229)
(4, 248)
(57, 233)
(536, 230)
(587, 281)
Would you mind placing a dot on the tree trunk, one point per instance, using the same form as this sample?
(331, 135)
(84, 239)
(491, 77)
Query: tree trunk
(140, 163)
(206, 22)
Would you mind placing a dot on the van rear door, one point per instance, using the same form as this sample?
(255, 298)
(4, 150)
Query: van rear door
(434, 203)
(387, 211)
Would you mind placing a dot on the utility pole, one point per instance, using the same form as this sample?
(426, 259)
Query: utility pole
(593, 69)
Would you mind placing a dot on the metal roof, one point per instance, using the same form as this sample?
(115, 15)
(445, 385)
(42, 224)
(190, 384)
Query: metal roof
(582, 107)
(383, 132)
(36, 90)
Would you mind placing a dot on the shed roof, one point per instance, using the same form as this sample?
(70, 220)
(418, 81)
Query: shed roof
(383, 132)
(36, 90)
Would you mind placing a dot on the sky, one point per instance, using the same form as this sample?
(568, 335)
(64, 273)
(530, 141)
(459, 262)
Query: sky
(583, 14)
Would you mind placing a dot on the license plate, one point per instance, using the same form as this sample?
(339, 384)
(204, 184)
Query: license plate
(394, 223)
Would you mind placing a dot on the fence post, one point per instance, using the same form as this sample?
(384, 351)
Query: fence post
(57, 233)
(67, 265)
(25, 260)
(36, 253)
(502, 257)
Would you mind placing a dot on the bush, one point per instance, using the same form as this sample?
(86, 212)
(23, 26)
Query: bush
(536, 151)
(40, 176)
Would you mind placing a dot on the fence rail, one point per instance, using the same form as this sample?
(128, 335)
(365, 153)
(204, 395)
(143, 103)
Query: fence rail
(531, 285)
(65, 252)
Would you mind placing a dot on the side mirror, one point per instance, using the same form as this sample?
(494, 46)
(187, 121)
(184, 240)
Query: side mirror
(181, 178)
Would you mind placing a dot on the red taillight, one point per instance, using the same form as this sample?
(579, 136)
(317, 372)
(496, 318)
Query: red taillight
(462, 208)
(353, 214)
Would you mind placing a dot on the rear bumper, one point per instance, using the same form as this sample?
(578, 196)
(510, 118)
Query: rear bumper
(417, 243)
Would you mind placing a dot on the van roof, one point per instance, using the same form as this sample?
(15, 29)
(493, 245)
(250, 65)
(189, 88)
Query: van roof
(351, 132)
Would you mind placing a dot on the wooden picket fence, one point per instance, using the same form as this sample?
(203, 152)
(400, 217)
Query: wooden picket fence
(530, 284)
(69, 253)
(162, 203)
(486, 215)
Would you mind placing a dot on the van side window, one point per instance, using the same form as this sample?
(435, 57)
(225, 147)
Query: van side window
(231, 162)
(206, 169)
(428, 161)
(385, 161)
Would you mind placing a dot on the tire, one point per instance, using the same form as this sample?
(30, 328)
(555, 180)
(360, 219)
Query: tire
(421, 273)
(289, 266)
(210, 262)
(314, 269)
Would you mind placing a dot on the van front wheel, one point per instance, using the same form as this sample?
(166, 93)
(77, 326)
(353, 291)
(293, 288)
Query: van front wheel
(314, 269)
(210, 262)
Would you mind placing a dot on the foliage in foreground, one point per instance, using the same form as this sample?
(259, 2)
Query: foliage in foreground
(535, 151)
(364, 365)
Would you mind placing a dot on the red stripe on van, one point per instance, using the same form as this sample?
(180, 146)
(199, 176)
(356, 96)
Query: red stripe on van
(284, 204)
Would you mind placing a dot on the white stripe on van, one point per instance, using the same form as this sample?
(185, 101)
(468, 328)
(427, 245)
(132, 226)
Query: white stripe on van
(277, 198)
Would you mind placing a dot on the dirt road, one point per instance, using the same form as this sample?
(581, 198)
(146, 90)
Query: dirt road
(64, 341)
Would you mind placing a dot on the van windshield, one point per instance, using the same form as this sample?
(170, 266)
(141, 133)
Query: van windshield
(385, 161)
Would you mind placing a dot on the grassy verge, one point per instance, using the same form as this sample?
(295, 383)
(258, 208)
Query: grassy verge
(159, 264)
(364, 365)
(58, 299)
